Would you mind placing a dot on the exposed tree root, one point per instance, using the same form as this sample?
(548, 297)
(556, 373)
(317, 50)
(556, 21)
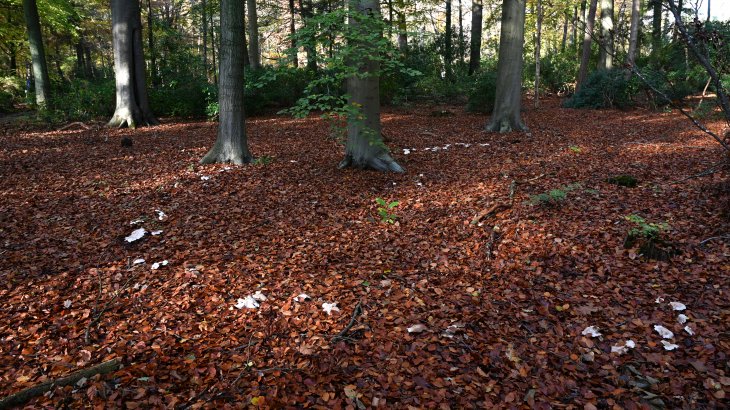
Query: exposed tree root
(383, 162)
(216, 155)
(24, 396)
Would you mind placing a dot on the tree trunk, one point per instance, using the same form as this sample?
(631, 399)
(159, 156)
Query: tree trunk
(656, 32)
(292, 34)
(90, 68)
(132, 104)
(582, 24)
(606, 52)
(564, 40)
(246, 56)
(508, 102)
(633, 33)
(402, 28)
(708, 11)
(204, 15)
(80, 64)
(448, 55)
(475, 52)
(538, 44)
(365, 148)
(586, 53)
(37, 53)
(213, 48)
(253, 35)
(462, 49)
(231, 146)
(310, 46)
(574, 34)
(151, 44)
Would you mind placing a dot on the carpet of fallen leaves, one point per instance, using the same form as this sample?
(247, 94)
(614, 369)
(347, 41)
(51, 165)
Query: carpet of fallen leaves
(475, 297)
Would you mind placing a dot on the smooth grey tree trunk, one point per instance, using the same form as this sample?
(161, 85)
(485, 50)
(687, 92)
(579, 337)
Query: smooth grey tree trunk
(204, 7)
(606, 53)
(37, 53)
(254, 52)
(633, 33)
(231, 146)
(508, 102)
(365, 148)
(402, 27)
(132, 107)
(151, 43)
(586, 50)
(475, 51)
(656, 32)
(564, 39)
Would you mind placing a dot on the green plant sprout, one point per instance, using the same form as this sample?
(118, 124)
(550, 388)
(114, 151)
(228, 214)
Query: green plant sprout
(384, 210)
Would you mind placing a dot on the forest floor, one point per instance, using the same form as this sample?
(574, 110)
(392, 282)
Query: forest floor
(478, 295)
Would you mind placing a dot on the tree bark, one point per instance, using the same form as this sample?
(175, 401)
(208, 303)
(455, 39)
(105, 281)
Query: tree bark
(38, 53)
(574, 34)
(204, 15)
(633, 33)
(656, 32)
(132, 107)
(402, 27)
(586, 50)
(475, 52)
(151, 43)
(606, 51)
(292, 33)
(462, 50)
(538, 45)
(448, 53)
(582, 23)
(310, 46)
(253, 35)
(365, 148)
(508, 102)
(564, 39)
(231, 146)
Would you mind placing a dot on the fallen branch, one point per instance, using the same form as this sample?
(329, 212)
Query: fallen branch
(353, 320)
(498, 207)
(714, 238)
(23, 396)
(74, 124)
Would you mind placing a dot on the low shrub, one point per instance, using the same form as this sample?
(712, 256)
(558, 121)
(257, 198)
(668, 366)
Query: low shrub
(604, 89)
(483, 92)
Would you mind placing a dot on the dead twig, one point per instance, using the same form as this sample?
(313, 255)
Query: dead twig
(355, 314)
(498, 207)
(74, 124)
(714, 238)
(713, 169)
(23, 396)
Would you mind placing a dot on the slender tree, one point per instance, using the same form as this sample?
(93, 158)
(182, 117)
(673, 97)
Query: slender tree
(151, 43)
(231, 146)
(402, 28)
(656, 31)
(633, 33)
(132, 104)
(204, 17)
(586, 50)
(538, 45)
(606, 50)
(475, 50)
(448, 46)
(37, 53)
(254, 51)
(365, 148)
(292, 34)
(508, 102)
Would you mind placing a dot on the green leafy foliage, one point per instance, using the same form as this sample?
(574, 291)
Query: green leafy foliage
(81, 100)
(483, 92)
(11, 92)
(644, 229)
(554, 197)
(603, 89)
(628, 181)
(557, 72)
(384, 210)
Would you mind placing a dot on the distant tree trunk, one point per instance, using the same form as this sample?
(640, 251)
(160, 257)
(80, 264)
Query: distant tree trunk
(656, 32)
(57, 62)
(204, 5)
(151, 45)
(213, 48)
(586, 53)
(80, 63)
(90, 68)
(574, 34)
(37, 53)
(129, 71)
(305, 7)
(390, 19)
(254, 51)
(462, 50)
(475, 51)
(246, 55)
(583, 24)
(292, 33)
(538, 44)
(402, 27)
(508, 102)
(633, 34)
(606, 52)
(708, 11)
(12, 51)
(448, 54)
(564, 40)
(365, 148)
(231, 146)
